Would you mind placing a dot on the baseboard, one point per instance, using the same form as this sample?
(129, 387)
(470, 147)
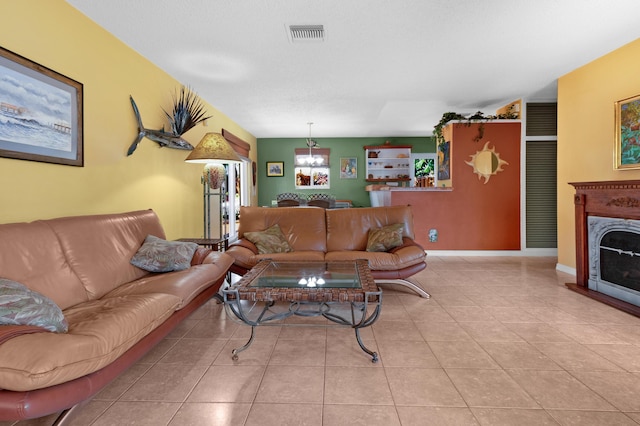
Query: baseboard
(496, 253)
(512, 253)
(565, 269)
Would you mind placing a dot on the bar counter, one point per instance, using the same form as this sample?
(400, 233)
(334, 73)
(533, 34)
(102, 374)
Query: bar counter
(380, 195)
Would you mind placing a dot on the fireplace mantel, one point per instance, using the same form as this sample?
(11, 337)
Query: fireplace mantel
(619, 199)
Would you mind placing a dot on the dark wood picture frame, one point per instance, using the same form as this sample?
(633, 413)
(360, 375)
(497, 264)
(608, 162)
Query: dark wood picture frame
(275, 168)
(41, 113)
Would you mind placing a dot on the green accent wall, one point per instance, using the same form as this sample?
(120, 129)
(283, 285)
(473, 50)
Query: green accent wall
(282, 149)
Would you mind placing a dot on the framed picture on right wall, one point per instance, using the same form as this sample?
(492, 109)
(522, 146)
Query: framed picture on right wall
(627, 136)
(444, 161)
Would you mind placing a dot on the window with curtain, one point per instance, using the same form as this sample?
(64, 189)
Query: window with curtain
(312, 168)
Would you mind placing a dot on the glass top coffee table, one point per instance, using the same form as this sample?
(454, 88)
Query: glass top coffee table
(344, 293)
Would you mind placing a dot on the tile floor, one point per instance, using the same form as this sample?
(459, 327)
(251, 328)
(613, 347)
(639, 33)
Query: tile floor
(501, 342)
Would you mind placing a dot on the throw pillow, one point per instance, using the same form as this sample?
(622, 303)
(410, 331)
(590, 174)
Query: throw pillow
(385, 238)
(22, 306)
(158, 255)
(271, 240)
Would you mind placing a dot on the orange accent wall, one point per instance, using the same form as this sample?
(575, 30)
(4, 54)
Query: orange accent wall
(474, 215)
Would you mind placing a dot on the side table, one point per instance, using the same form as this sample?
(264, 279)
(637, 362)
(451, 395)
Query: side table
(217, 244)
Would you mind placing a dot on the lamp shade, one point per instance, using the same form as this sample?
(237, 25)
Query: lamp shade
(213, 148)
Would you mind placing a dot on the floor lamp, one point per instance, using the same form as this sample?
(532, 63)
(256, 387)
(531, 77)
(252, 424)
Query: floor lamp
(214, 151)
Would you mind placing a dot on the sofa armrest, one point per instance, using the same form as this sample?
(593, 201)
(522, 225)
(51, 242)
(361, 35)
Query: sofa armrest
(243, 242)
(406, 242)
(244, 254)
(218, 258)
(200, 254)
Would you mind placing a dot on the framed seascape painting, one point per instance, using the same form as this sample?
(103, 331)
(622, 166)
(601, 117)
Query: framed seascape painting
(348, 168)
(627, 137)
(40, 113)
(275, 168)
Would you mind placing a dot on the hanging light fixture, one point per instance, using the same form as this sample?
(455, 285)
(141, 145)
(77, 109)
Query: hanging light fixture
(312, 144)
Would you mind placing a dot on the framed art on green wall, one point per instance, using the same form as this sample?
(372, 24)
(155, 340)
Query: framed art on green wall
(348, 168)
(275, 168)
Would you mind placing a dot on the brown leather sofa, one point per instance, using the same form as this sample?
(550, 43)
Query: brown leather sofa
(316, 234)
(116, 312)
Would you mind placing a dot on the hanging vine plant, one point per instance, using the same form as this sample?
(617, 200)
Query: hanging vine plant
(478, 117)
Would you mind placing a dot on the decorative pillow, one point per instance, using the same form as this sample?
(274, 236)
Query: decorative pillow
(271, 240)
(385, 238)
(22, 306)
(158, 255)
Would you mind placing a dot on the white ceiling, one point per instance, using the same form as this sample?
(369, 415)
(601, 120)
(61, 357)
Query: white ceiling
(386, 67)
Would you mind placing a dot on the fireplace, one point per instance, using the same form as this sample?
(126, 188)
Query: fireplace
(614, 257)
(608, 243)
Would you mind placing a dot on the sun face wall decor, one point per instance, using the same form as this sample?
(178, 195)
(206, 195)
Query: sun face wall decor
(486, 162)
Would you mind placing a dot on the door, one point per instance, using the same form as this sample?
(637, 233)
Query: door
(541, 195)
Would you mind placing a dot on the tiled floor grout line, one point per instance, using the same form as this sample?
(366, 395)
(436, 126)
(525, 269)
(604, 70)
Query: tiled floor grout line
(524, 390)
(554, 323)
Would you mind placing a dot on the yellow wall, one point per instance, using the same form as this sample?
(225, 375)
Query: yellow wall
(56, 35)
(586, 100)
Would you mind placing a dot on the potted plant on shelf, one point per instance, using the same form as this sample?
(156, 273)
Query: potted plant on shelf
(478, 117)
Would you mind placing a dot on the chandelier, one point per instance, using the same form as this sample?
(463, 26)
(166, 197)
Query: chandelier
(312, 144)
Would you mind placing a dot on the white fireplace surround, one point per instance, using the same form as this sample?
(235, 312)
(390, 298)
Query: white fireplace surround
(598, 227)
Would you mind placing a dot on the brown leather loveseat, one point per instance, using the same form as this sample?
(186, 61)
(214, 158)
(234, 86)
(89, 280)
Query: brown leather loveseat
(115, 311)
(316, 234)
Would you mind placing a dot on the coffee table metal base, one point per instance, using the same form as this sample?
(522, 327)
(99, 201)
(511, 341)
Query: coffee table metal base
(355, 315)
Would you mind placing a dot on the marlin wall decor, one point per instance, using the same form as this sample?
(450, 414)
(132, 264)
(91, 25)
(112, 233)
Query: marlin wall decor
(188, 111)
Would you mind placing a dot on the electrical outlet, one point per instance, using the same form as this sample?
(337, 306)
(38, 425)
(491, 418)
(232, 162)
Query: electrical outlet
(433, 235)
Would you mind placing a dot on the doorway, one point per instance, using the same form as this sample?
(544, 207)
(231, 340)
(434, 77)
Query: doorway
(238, 194)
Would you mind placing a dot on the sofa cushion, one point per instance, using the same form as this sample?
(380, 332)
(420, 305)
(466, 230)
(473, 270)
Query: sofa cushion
(382, 261)
(158, 255)
(100, 331)
(271, 240)
(99, 248)
(32, 255)
(21, 306)
(348, 229)
(304, 227)
(385, 238)
(246, 258)
(185, 284)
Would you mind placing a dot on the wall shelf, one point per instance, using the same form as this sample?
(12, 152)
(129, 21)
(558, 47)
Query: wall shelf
(389, 180)
(388, 163)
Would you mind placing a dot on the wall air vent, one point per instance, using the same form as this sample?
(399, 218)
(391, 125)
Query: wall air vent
(542, 119)
(306, 33)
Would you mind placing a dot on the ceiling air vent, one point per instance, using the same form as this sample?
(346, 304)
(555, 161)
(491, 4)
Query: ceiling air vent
(306, 33)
